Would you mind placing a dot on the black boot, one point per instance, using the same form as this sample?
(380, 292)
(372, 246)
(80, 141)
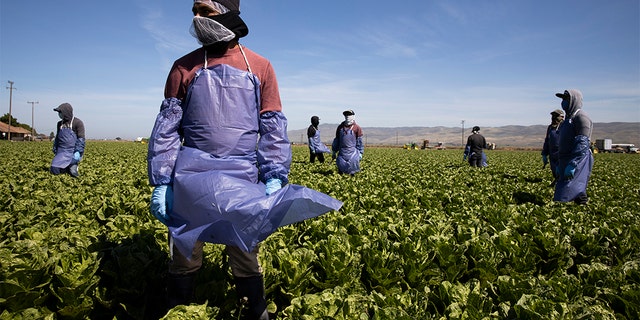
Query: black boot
(251, 294)
(180, 289)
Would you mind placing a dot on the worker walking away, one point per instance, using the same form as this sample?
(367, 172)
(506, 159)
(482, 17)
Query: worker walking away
(348, 146)
(551, 144)
(317, 149)
(68, 146)
(474, 148)
(575, 160)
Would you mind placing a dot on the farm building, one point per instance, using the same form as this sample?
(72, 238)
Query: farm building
(17, 133)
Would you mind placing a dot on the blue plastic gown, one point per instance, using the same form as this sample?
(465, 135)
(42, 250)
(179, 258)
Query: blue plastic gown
(349, 148)
(580, 157)
(228, 151)
(65, 146)
(316, 145)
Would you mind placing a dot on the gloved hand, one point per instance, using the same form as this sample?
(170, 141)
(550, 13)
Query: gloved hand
(545, 160)
(273, 185)
(76, 156)
(569, 171)
(361, 156)
(464, 158)
(162, 203)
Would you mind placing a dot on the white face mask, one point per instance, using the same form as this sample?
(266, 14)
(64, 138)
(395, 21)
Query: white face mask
(349, 119)
(209, 31)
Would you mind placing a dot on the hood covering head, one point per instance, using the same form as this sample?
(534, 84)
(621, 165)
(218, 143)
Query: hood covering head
(233, 5)
(571, 101)
(315, 121)
(475, 129)
(66, 110)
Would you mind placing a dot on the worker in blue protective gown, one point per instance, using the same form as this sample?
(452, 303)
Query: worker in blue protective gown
(575, 159)
(347, 146)
(69, 144)
(219, 158)
(551, 143)
(317, 149)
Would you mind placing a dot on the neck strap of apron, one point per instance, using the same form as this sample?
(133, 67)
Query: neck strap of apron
(243, 56)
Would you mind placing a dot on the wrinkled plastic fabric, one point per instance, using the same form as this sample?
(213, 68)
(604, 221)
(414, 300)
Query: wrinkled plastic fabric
(218, 201)
(228, 147)
(79, 147)
(316, 145)
(164, 143)
(221, 117)
(64, 148)
(579, 156)
(348, 147)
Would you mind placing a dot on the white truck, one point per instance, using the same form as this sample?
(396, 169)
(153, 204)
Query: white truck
(606, 145)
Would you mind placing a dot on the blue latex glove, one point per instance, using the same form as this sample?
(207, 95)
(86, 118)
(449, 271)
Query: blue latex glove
(76, 156)
(273, 185)
(361, 156)
(162, 203)
(545, 160)
(569, 171)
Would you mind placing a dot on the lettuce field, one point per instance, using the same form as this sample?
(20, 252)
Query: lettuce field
(421, 235)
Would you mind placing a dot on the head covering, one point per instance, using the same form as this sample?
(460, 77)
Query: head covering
(573, 98)
(348, 113)
(557, 112)
(315, 119)
(475, 129)
(231, 5)
(66, 110)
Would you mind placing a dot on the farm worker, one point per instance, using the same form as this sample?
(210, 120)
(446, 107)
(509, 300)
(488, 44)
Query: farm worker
(347, 146)
(552, 143)
(68, 146)
(219, 158)
(317, 149)
(473, 149)
(575, 159)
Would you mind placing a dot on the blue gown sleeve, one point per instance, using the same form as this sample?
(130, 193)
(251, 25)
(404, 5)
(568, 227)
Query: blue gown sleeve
(274, 149)
(360, 145)
(580, 150)
(79, 147)
(164, 143)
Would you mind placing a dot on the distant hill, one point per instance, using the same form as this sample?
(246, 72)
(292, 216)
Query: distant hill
(505, 136)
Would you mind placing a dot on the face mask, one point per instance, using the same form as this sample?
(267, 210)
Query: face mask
(60, 114)
(209, 31)
(349, 120)
(565, 105)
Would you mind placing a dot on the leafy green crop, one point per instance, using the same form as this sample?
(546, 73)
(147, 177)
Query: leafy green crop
(421, 235)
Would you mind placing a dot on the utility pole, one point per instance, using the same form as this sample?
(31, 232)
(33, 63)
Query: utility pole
(32, 128)
(11, 88)
(463, 133)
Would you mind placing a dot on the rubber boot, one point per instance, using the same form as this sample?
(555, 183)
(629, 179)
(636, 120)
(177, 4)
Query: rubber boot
(251, 294)
(180, 289)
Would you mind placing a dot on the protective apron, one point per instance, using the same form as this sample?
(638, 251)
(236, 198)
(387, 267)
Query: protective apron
(567, 189)
(217, 195)
(65, 146)
(348, 160)
(316, 145)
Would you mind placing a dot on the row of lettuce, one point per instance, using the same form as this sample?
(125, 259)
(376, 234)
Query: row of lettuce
(420, 236)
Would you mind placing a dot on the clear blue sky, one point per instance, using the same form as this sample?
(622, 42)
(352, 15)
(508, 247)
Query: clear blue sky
(396, 63)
